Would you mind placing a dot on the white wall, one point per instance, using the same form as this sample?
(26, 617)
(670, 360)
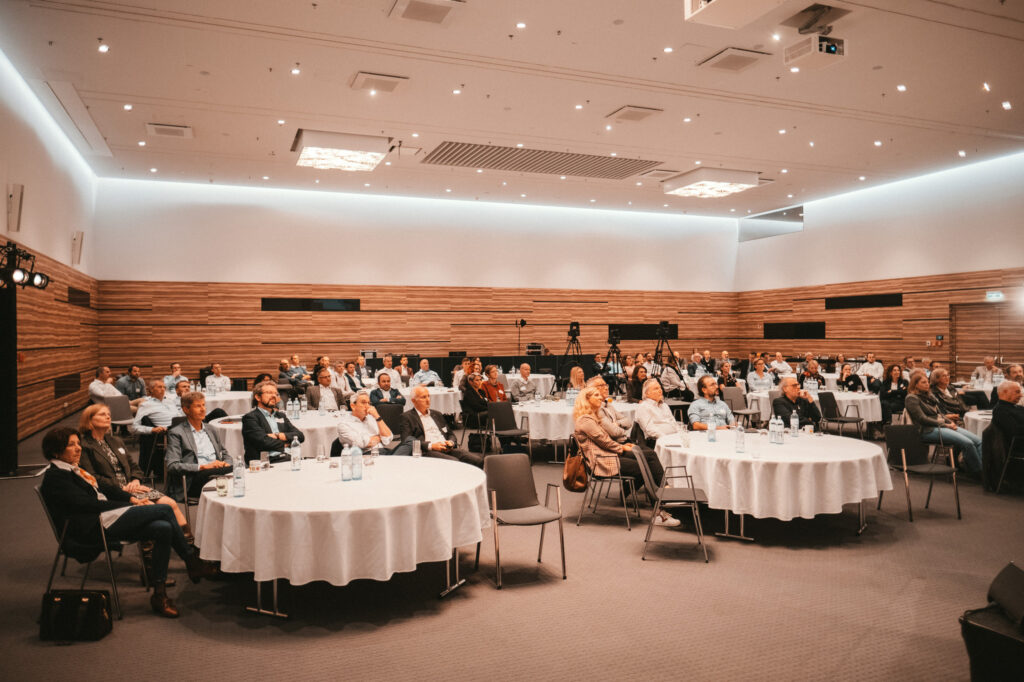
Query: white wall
(961, 220)
(154, 230)
(59, 188)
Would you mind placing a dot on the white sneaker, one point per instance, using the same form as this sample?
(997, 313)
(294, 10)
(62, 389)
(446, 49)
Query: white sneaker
(667, 520)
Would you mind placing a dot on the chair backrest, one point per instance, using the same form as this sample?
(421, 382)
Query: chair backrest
(46, 510)
(678, 477)
(905, 439)
(120, 408)
(734, 397)
(501, 415)
(645, 472)
(239, 384)
(511, 477)
(392, 415)
(503, 380)
(829, 406)
(176, 420)
(636, 434)
(336, 448)
(773, 394)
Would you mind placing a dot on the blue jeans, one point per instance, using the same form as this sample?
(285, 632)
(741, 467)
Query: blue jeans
(968, 443)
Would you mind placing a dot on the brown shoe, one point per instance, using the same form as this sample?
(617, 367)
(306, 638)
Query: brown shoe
(199, 569)
(161, 603)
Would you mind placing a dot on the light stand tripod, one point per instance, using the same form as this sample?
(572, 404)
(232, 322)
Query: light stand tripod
(613, 359)
(519, 335)
(660, 348)
(572, 350)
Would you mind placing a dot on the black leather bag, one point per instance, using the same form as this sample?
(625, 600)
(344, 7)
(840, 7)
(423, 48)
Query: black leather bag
(75, 616)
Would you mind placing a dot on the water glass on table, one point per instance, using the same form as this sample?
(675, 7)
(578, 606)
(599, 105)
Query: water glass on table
(222, 486)
(416, 449)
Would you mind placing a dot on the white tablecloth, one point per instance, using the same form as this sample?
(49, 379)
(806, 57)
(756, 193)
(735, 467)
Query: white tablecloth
(759, 399)
(319, 432)
(444, 400)
(806, 476)
(552, 420)
(309, 525)
(544, 381)
(830, 380)
(978, 421)
(867, 404)
(232, 402)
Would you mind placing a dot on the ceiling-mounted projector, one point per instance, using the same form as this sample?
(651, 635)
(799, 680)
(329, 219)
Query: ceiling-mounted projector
(815, 52)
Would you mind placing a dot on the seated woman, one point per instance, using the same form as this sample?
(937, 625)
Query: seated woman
(628, 366)
(848, 380)
(607, 457)
(105, 457)
(811, 372)
(635, 386)
(474, 400)
(760, 379)
(726, 377)
(893, 395)
(73, 496)
(926, 413)
(492, 387)
(673, 382)
(576, 380)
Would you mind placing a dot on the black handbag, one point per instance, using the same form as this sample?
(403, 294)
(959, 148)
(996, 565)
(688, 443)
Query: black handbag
(75, 616)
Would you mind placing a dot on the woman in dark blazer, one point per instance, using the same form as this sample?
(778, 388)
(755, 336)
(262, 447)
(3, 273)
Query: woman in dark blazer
(850, 381)
(76, 498)
(893, 395)
(474, 399)
(635, 385)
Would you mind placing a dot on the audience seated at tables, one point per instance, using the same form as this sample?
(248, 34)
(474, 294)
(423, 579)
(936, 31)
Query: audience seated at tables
(795, 399)
(653, 413)
(872, 371)
(802, 367)
(652, 366)
(73, 497)
(388, 368)
(218, 381)
(385, 392)
(635, 385)
(426, 376)
(760, 379)
(893, 393)
(909, 366)
(810, 372)
(460, 373)
(628, 366)
(495, 389)
(926, 413)
(285, 375)
(322, 394)
(840, 361)
(708, 362)
(363, 427)
(984, 371)
(848, 380)
(338, 380)
(103, 386)
(180, 389)
(779, 365)
(430, 428)
(264, 429)
(576, 380)
(611, 367)
(1008, 413)
(159, 407)
(299, 371)
(722, 360)
(695, 364)
(351, 379)
(726, 377)
(132, 385)
(950, 402)
(363, 371)
(193, 449)
(612, 422)
(322, 362)
(171, 380)
(743, 367)
(474, 399)
(1013, 373)
(672, 381)
(405, 372)
(522, 387)
(708, 404)
(597, 366)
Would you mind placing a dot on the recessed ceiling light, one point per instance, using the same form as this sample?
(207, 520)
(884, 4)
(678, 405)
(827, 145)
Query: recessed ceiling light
(748, 210)
(962, 153)
(901, 88)
(593, 200)
(782, 131)
(784, 170)
(794, 69)
(732, 210)
(579, 106)
(479, 170)
(776, 36)
(317, 181)
(862, 178)
(697, 162)
(1007, 105)
(613, 154)
(523, 196)
(789, 196)
(280, 121)
(811, 143)
(456, 91)
(561, 177)
(127, 107)
(266, 177)
(142, 143)
(152, 170)
(103, 47)
(296, 70)
(366, 184)
(687, 119)
(665, 205)
(878, 143)
(638, 183)
(503, 183)
(447, 189)
(519, 145)
(373, 93)
(387, 163)
(986, 87)
(521, 25)
(608, 127)
(667, 50)
(415, 134)
(630, 203)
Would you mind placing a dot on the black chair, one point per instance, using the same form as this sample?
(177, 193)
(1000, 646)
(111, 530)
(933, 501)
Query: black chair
(830, 413)
(736, 399)
(907, 453)
(993, 635)
(681, 495)
(391, 413)
(513, 498)
(503, 424)
(239, 385)
(596, 485)
(336, 448)
(1013, 453)
(637, 435)
(471, 420)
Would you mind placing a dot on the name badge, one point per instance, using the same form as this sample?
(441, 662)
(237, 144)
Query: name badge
(121, 450)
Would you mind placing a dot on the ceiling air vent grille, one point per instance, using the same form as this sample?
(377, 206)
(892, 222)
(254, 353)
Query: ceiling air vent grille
(660, 174)
(377, 82)
(733, 59)
(631, 113)
(523, 160)
(427, 11)
(168, 130)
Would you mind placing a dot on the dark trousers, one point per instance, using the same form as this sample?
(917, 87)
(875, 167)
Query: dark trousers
(458, 455)
(889, 408)
(154, 522)
(627, 460)
(198, 479)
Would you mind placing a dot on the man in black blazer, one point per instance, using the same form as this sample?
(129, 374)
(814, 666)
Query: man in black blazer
(1013, 373)
(384, 393)
(795, 399)
(265, 429)
(431, 430)
(193, 449)
(1008, 415)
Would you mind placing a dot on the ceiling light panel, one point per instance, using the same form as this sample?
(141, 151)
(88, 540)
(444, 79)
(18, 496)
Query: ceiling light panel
(339, 151)
(377, 82)
(710, 183)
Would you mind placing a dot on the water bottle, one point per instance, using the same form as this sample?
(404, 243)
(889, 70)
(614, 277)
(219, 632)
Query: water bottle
(357, 463)
(997, 378)
(773, 430)
(685, 436)
(321, 410)
(794, 424)
(293, 409)
(739, 438)
(303, 406)
(239, 478)
(712, 429)
(346, 463)
(296, 452)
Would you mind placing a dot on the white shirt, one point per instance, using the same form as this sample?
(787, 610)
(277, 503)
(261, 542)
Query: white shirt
(670, 379)
(221, 383)
(100, 389)
(781, 366)
(358, 432)
(327, 400)
(980, 372)
(396, 379)
(655, 419)
(431, 433)
(205, 452)
(160, 412)
(871, 369)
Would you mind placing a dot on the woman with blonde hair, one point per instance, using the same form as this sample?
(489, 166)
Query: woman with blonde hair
(576, 380)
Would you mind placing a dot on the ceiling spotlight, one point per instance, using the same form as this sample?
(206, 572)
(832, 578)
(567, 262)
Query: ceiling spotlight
(280, 121)
(667, 50)
(579, 106)
(127, 107)
(901, 88)
(782, 131)
(479, 170)
(103, 48)
(608, 127)
(794, 69)
(39, 280)
(152, 170)
(447, 189)
(665, 205)
(317, 181)
(366, 184)
(19, 276)
(962, 153)
(784, 170)
(142, 143)
(386, 163)
(697, 163)
(373, 93)
(523, 196)
(1007, 105)
(878, 143)
(638, 183)
(266, 177)
(593, 200)
(296, 70)
(732, 210)
(986, 87)
(789, 196)
(456, 91)
(776, 36)
(561, 177)
(521, 25)
(613, 154)
(519, 145)
(811, 143)
(862, 178)
(415, 134)
(687, 119)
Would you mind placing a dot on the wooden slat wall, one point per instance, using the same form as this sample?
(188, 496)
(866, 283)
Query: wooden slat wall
(55, 338)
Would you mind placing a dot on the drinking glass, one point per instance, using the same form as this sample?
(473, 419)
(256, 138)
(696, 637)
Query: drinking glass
(222, 486)
(416, 449)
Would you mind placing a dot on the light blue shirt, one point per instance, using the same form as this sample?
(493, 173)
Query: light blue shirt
(425, 377)
(701, 410)
(612, 368)
(170, 381)
(160, 412)
(204, 446)
(756, 383)
(271, 419)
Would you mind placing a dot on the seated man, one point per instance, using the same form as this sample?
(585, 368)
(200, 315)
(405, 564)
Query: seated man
(652, 366)
(708, 404)
(351, 379)
(672, 381)
(430, 429)
(218, 381)
(103, 386)
(611, 368)
(265, 429)
(522, 386)
(653, 414)
(132, 385)
(1013, 373)
(362, 370)
(193, 449)
(388, 368)
(779, 365)
(795, 399)
(170, 380)
(872, 372)
(708, 362)
(364, 428)
(338, 380)
(950, 402)
(1008, 415)
(909, 366)
(159, 407)
(323, 394)
(426, 376)
(299, 371)
(385, 393)
(984, 371)
(464, 369)
(181, 389)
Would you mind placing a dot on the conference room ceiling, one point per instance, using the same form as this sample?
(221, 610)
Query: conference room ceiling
(224, 70)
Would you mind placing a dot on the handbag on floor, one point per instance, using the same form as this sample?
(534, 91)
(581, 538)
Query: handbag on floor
(75, 616)
(574, 474)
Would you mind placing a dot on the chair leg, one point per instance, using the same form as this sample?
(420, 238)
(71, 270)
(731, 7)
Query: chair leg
(64, 566)
(476, 563)
(700, 531)
(113, 578)
(1006, 465)
(561, 543)
(540, 547)
(956, 495)
(931, 483)
(497, 550)
(880, 493)
(650, 528)
(625, 505)
(906, 485)
(583, 505)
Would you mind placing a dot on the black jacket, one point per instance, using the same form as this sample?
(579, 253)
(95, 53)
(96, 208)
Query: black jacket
(413, 426)
(70, 498)
(897, 395)
(256, 436)
(96, 463)
(807, 411)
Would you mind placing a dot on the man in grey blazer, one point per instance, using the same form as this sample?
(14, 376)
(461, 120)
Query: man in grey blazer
(193, 449)
(333, 398)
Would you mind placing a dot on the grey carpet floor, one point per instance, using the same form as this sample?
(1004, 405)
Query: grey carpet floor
(810, 600)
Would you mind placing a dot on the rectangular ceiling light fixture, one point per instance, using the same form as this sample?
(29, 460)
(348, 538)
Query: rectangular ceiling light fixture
(339, 151)
(710, 183)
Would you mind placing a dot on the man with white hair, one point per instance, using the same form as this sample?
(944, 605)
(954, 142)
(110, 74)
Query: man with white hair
(984, 371)
(795, 399)
(364, 428)
(426, 376)
(653, 414)
(522, 386)
(779, 365)
(1008, 414)
(429, 428)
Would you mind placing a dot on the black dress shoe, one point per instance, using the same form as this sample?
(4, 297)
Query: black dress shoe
(163, 605)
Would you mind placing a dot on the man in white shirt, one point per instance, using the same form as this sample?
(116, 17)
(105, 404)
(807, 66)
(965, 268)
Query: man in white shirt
(175, 376)
(522, 386)
(651, 366)
(338, 379)
(461, 372)
(426, 376)
(985, 371)
(396, 379)
(218, 381)
(779, 365)
(351, 379)
(653, 413)
(159, 407)
(103, 386)
(364, 428)
(323, 394)
(430, 429)
(873, 371)
(362, 370)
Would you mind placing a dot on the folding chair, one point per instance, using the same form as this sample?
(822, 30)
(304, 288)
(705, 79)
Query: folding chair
(1019, 457)
(596, 484)
(676, 496)
(503, 424)
(120, 410)
(830, 413)
(905, 441)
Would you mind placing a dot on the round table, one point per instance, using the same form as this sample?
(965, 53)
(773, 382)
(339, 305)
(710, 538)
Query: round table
(867, 406)
(319, 431)
(544, 381)
(830, 380)
(552, 419)
(444, 400)
(805, 476)
(232, 402)
(310, 525)
(977, 421)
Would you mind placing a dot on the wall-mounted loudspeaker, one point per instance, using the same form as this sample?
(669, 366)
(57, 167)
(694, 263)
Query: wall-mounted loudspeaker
(14, 195)
(76, 247)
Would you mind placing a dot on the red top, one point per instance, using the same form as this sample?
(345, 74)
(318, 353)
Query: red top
(495, 392)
